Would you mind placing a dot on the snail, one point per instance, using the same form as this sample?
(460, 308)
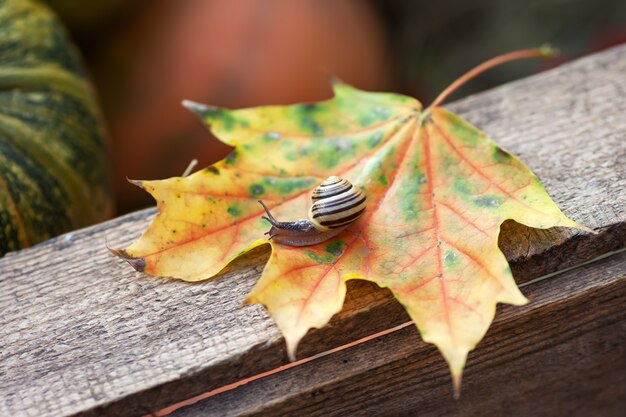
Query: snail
(336, 205)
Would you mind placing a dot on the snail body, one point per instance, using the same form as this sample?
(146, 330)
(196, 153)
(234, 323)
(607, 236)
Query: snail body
(336, 205)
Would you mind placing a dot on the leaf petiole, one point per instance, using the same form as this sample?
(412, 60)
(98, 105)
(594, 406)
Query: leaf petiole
(545, 51)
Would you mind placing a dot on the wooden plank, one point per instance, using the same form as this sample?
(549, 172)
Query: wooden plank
(82, 333)
(554, 357)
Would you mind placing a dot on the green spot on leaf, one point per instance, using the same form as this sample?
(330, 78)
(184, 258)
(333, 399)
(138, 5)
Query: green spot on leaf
(256, 190)
(225, 119)
(310, 125)
(461, 132)
(488, 201)
(320, 259)
(365, 121)
(410, 188)
(336, 248)
(305, 114)
(330, 152)
(501, 155)
(231, 158)
(272, 136)
(451, 258)
(381, 113)
(375, 139)
(299, 153)
(286, 186)
(234, 211)
(462, 186)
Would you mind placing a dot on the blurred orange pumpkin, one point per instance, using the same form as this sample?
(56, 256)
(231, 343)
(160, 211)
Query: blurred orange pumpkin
(227, 53)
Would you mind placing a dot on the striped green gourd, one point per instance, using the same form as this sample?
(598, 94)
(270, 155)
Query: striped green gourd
(53, 150)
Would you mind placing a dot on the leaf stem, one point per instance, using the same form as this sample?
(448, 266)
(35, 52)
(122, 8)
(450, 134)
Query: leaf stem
(543, 52)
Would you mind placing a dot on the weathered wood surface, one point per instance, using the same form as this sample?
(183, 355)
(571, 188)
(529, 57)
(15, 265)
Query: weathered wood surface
(562, 355)
(83, 333)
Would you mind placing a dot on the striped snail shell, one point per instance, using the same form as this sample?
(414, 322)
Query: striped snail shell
(336, 205)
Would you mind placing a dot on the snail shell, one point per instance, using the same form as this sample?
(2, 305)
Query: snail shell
(336, 205)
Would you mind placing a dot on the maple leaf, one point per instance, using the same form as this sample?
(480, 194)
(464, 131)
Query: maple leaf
(438, 190)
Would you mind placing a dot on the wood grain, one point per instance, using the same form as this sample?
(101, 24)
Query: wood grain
(562, 355)
(83, 333)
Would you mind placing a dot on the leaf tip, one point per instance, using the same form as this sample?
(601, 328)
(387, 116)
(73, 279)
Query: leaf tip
(571, 223)
(456, 357)
(522, 301)
(513, 297)
(193, 106)
(334, 80)
(456, 383)
(340, 87)
(291, 351)
(139, 264)
(292, 341)
(587, 229)
(201, 110)
(138, 183)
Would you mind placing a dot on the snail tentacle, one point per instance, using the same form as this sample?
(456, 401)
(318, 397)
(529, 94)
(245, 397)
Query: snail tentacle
(269, 217)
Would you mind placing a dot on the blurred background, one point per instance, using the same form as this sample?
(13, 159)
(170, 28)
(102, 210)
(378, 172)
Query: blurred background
(145, 56)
